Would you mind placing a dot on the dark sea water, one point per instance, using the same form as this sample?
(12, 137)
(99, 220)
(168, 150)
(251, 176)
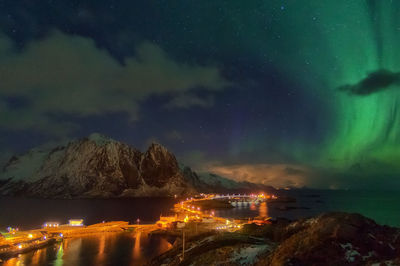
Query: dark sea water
(134, 249)
(97, 250)
(382, 206)
(104, 249)
(33, 213)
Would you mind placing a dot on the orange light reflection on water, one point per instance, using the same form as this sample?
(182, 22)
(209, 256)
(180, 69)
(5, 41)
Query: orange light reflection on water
(37, 256)
(59, 256)
(73, 246)
(100, 254)
(263, 209)
(136, 246)
(98, 249)
(12, 262)
(32, 258)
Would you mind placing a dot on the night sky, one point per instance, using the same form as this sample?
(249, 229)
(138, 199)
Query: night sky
(284, 92)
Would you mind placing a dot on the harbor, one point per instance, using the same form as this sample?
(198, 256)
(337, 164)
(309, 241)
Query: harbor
(191, 216)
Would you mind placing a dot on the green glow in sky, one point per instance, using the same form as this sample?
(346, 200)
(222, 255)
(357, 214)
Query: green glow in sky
(366, 127)
(311, 84)
(341, 42)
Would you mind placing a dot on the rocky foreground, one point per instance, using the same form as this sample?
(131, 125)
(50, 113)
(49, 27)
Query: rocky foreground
(329, 239)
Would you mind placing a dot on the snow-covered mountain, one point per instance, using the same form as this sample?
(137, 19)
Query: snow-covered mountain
(215, 181)
(210, 182)
(101, 167)
(96, 166)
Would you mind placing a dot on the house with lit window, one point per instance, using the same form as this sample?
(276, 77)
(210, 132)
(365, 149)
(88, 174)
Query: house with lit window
(75, 222)
(51, 225)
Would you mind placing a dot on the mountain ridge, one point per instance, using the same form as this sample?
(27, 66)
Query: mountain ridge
(100, 167)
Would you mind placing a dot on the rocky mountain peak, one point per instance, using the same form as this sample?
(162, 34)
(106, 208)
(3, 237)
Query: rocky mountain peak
(157, 148)
(100, 139)
(157, 164)
(95, 166)
(98, 166)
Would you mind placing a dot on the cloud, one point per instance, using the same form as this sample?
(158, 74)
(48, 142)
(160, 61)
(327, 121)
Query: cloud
(68, 74)
(376, 81)
(293, 171)
(290, 175)
(277, 175)
(366, 175)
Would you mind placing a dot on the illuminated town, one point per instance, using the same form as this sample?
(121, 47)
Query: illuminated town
(200, 133)
(192, 216)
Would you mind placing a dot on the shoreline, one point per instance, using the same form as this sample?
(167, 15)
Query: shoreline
(175, 236)
(15, 239)
(25, 241)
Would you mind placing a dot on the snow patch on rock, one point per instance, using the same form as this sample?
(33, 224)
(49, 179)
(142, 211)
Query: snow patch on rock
(23, 168)
(216, 180)
(100, 139)
(95, 166)
(350, 252)
(248, 255)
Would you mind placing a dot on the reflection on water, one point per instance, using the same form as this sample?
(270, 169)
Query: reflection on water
(60, 253)
(263, 209)
(100, 254)
(37, 258)
(72, 247)
(102, 249)
(245, 211)
(383, 206)
(136, 247)
(143, 244)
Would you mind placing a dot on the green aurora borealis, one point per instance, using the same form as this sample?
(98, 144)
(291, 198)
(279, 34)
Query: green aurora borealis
(323, 45)
(259, 82)
(366, 127)
(350, 40)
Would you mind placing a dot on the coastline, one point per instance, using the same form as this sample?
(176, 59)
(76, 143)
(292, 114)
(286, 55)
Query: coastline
(273, 233)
